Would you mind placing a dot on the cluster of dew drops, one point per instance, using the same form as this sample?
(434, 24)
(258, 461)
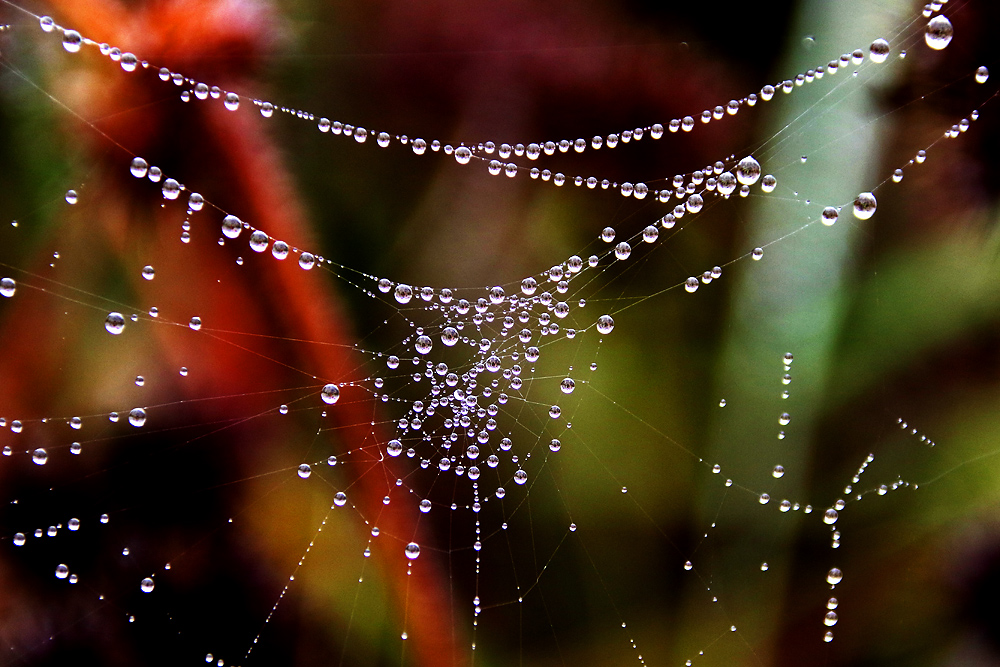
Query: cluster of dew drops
(501, 333)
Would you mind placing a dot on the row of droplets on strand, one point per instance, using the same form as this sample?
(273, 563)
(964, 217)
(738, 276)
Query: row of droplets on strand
(747, 172)
(938, 34)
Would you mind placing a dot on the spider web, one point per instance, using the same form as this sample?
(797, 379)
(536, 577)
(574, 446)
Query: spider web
(653, 452)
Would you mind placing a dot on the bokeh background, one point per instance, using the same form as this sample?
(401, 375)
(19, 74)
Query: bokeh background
(893, 318)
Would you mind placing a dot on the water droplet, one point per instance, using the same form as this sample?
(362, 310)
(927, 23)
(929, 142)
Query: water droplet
(231, 226)
(340, 499)
(830, 516)
(939, 32)
(764, 499)
(691, 284)
(623, 250)
(605, 324)
(748, 171)
(304, 471)
(834, 576)
(756, 254)
(982, 75)
(608, 234)
(195, 323)
(137, 417)
(829, 216)
(8, 287)
(114, 323)
(412, 551)
(72, 40)
(128, 62)
(71, 197)
(423, 344)
(403, 293)
(864, 206)
(147, 585)
(330, 394)
(62, 571)
(232, 101)
(148, 272)
(279, 249)
(19, 539)
(567, 385)
(879, 51)
(40, 457)
(778, 472)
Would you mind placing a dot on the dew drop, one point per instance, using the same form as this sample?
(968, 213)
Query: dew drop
(39, 457)
(231, 226)
(137, 417)
(331, 394)
(939, 32)
(879, 51)
(72, 40)
(147, 585)
(864, 206)
(139, 167)
(829, 216)
(412, 551)
(748, 171)
(114, 323)
(232, 101)
(834, 576)
(605, 324)
(982, 75)
(8, 287)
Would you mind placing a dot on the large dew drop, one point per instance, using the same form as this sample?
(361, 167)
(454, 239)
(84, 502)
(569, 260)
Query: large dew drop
(331, 394)
(147, 585)
(748, 171)
(423, 344)
(834, 576)
(403, 293)
(412, 550)
(39, 457)
(864, 206)
(8, 287)
(139, 167)
(232, 101)
(939, 32)
(137, 417)
(72, 41)
(879, 51)
(231, 226)
(114, 323)
(605, 324)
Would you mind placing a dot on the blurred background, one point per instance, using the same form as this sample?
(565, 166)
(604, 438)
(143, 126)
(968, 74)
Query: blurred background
(892, 319)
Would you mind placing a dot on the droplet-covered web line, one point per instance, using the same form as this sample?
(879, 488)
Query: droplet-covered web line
(471, 353)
